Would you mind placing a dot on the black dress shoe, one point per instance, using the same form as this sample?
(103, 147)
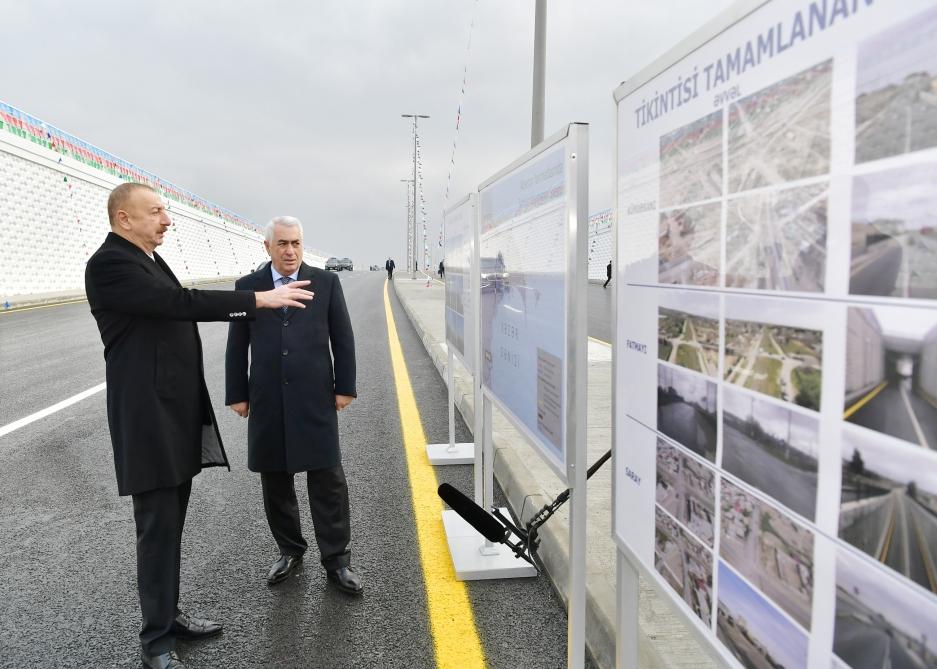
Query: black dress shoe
(162, 661)
(282, 568)
(346, 580)
(189, 627)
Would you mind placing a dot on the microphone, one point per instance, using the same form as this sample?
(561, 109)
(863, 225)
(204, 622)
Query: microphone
(486, 524)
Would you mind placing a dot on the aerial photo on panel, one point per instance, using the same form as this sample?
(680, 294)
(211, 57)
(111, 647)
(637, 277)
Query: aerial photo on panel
(688, 330)
(776, 240)
(686, 409)
(774, 357)
(688, 245)
(879, 623)
(888, 504)
(756, 633)
(685, 564)
(891, 372)
(691, 162)
(782, 132)
(894, 233)
(772, 447)
(896, 90)
(687, 489)
(772, 551)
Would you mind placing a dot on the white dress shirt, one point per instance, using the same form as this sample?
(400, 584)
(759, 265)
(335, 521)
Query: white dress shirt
(277, 276)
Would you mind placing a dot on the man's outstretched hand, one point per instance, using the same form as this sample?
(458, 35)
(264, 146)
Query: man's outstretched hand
(290, 295)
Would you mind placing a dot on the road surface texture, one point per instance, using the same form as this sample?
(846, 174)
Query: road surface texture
(69, 590)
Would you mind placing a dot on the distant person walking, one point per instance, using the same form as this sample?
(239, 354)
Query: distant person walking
(389, 266)
(442, 269)
(608, 274)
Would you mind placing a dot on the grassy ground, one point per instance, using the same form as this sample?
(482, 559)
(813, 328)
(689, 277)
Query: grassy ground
(807, 381)
(688, 357)
(771, 384)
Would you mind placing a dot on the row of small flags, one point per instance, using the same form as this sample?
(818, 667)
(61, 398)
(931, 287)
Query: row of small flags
(458, 118)
(23, 125)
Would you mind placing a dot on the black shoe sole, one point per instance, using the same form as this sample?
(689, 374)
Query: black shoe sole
(198, 637)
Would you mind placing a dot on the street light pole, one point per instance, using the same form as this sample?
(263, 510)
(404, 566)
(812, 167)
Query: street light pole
(415, 118)
(540, 55)
(408, 260)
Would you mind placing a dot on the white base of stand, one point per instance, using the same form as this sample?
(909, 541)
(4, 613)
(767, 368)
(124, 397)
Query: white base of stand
(439, 454)
(470, 564)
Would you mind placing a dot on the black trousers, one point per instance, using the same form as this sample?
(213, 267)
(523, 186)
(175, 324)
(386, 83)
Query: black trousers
(606, 282)
(160, 517)
(390, 274)
(328, 504)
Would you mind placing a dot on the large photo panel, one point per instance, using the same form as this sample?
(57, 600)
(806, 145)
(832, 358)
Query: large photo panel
(459, 226)
(523, 218)
(776, 282)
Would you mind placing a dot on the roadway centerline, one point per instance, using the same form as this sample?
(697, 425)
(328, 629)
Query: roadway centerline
(48, 411)
(455, 637)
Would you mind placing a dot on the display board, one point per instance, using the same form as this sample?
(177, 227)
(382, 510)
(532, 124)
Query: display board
(523, 216)
(459, 226)
(776, 331)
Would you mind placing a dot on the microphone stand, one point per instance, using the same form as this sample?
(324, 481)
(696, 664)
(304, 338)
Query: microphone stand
(526, 547)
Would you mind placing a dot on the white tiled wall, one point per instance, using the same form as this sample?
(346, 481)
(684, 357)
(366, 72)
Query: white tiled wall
(53, 216)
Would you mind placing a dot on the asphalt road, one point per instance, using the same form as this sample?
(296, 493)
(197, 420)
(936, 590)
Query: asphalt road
(68, 573)
(889, 413)
(755, 464)
(865, 644)
(600, 312)
(878, 274)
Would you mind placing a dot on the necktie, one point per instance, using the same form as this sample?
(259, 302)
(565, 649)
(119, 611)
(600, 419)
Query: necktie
(285, 280)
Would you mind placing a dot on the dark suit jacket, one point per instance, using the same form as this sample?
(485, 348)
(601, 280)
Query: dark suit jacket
(293, 378)
(163, 429)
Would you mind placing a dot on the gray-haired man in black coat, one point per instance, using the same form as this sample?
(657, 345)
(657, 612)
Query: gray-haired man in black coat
(162, 426)
(302, 372)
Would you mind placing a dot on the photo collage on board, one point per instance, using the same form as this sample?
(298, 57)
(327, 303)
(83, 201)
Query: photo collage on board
(740, 367)
(888, 495)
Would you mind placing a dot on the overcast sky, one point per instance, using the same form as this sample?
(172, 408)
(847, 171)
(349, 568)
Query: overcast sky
(294, 107)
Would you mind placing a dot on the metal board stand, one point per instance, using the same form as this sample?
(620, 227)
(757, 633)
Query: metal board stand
(473, 556)
(451, 453)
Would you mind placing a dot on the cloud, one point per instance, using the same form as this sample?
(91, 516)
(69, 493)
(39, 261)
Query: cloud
(295, 107)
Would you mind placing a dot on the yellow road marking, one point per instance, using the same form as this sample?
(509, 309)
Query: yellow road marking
(889, 534)
(865, 400)
(452, 623)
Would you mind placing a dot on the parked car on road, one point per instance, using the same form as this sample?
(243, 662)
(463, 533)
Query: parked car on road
(333, 264)
(347, 264)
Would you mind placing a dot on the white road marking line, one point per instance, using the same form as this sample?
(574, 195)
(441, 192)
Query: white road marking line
(22, 422)
(917, 426)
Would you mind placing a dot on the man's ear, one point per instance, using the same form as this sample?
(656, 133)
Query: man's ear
(123, 220)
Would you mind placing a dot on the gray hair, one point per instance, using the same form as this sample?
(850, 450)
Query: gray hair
(288, 221)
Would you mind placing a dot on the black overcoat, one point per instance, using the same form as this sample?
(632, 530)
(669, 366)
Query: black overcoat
(162, 425)
(293, 377)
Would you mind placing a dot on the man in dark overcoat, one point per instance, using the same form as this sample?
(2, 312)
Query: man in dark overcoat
(163, 429)
(389, 266)
(291, 395)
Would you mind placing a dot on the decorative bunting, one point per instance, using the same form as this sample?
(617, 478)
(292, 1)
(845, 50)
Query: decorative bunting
(458, 119)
